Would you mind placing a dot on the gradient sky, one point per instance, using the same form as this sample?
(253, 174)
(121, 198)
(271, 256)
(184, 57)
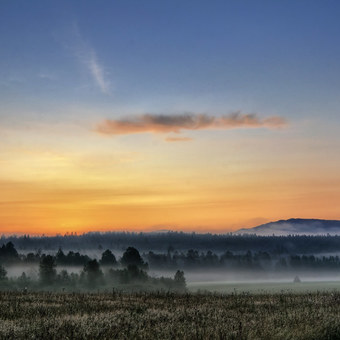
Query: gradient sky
(203, 116)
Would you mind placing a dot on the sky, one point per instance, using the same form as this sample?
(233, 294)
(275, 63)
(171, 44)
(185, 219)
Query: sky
(205, 116)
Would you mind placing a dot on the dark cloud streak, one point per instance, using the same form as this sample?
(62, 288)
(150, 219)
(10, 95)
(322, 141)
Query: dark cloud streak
(166, 123)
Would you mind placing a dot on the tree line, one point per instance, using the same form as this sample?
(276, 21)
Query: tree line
(300, 244)
(173, 260)
(130, 275)
(248, 260)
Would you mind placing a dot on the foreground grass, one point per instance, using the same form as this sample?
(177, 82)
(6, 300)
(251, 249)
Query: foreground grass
(169, 316)
(264, 287)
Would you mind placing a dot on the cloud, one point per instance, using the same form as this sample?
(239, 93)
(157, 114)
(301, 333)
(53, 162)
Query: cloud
(178, 139)
(97, 72)
(88, 57)
(166, 123)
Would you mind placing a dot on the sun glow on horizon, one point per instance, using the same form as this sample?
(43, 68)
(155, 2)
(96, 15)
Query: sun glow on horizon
(113, 120)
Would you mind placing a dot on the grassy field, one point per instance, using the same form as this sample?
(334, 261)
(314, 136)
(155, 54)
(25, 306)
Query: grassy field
(265, 287)
(169, 316)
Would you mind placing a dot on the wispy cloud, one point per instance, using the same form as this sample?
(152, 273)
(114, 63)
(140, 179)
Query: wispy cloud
(88, 57)
(165, 123)
(97, 72)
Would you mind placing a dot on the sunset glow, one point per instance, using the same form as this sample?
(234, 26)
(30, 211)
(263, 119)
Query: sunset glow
(127, 117)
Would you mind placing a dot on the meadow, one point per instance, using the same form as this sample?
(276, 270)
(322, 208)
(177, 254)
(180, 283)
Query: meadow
(227, 287)
(116, 315)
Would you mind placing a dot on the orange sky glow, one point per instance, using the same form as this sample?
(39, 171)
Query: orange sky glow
(146, 116)
(197, 186)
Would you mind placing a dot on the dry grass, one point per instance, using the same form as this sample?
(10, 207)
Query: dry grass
(169, 316)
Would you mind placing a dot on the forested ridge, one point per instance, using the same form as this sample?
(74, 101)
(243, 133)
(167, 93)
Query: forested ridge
(162, 241)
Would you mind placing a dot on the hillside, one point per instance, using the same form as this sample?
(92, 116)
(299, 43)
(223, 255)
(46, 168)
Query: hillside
(295, 226)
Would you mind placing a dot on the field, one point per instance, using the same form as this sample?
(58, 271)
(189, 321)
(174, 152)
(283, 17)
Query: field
(226, 287)
(169, 316)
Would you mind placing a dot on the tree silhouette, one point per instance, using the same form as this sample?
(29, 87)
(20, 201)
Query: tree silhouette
(60, 257)
(108, 259)
(132, 256)
(3, 273)
(47, 271)
(92, 272)
(180, 280)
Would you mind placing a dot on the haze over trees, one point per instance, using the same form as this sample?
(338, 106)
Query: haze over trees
(129, 274)
(162, 242)
(172, 259)
(74, 271)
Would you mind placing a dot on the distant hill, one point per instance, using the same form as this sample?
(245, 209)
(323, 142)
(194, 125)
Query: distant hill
(95, 243)
(295, 226)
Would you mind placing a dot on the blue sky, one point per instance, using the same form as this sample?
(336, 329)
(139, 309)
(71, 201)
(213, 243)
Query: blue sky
(223, 56)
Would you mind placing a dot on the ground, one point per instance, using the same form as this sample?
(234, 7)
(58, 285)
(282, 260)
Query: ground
(227, 287)
(169, 316)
